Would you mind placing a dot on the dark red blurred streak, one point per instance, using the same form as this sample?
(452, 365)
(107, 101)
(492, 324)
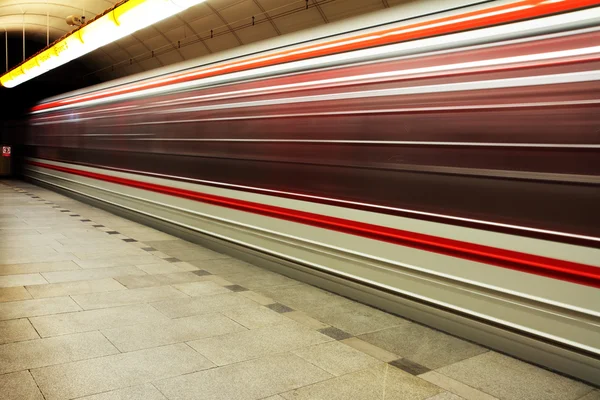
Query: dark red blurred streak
(552, 268)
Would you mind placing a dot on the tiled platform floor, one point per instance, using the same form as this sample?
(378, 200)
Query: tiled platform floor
(98, 307)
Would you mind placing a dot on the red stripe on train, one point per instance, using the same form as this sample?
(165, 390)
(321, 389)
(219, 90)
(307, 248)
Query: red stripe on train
(549, 267)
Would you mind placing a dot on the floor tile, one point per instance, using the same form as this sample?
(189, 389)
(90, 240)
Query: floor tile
(226, 266)
(370, 349)
(91, 274)
(21, 280)
(76, 287)
(134, 282)
(126, 259)
(16, 330)
(159, 268)
(256, 317)
(303, 297)
(336, 358)
(456, 387)
(57, 350)
(409, 366)
(200, 288)
(425, 346)
(250, 380)
(241, 346)
(280, 308)
(507, 378)
(36, 307)
(355, 318)
(261, 279)
(378, 382)
(13, 294)
(445, 396)
(125, 297)
(142, 392)
(179, 330)
(257, 297)
(593, 395)
(85, 321)
(19, 385)
(335, 333)
(118, 371)
(202, 305)
(305, 320)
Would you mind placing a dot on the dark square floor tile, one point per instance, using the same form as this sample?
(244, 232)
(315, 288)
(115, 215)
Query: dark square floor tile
(409, 366)
(335, 333)
(129, 240)
(98, 226)
(65, 210)
(201, 272)
(172, 259)
(55, 206)
(236, 288)
(86, 220)
(148, 249)
(280, 308)
(75, 215)
(112, 232)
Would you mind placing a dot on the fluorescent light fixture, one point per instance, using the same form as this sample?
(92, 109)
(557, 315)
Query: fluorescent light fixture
(114, 24)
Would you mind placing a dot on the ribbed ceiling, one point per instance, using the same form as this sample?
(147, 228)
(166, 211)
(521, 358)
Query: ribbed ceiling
(207, 28)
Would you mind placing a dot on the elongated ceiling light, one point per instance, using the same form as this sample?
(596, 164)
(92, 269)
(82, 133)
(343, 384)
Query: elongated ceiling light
(127, 17)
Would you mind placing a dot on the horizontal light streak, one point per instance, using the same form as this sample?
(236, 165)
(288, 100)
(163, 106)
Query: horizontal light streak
(340, 113)
(421, 45)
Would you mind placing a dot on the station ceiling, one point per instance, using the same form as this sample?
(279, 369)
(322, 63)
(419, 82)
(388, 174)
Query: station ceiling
(207, 28)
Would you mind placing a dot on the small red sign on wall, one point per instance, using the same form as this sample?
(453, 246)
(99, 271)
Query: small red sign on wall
(5, 151)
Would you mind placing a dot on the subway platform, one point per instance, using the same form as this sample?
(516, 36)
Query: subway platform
(94, 306)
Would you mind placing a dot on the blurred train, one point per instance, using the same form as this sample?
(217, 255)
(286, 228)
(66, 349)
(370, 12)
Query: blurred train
(440, 160)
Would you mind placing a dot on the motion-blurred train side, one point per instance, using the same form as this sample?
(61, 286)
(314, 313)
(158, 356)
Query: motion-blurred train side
(443, 166)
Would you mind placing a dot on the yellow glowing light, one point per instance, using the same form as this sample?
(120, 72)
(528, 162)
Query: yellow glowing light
(129, 17)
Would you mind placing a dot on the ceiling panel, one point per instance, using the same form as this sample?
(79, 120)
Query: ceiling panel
(228, 19)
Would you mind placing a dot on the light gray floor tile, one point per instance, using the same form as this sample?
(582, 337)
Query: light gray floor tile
(445, 396)
(76, 287)
(142, 392)
(21, 280)
(593, 395)
(118, 371)
(36, 307)
(355, 318)
(372, 350)
(227, 266)
(256, 317)
(241, 346)
(380, 382)
(507, 378)
(134, 282)
(455, 386)
(13, 294)
(336, 358)
(38, 267)
(91, 274)
(257, 297)
(159, 268)
(137, 337)
(42, 352)
(260, 279)
(140, 257)
(125, 297)
(19, 385)
(38, 258)
(16, 330)
(202, 305)
(205, 288)
(85, 321)
(249, 380)
(303, 297)
(425, 346)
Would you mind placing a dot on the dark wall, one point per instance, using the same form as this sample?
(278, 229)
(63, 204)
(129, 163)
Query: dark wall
(16, 102)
